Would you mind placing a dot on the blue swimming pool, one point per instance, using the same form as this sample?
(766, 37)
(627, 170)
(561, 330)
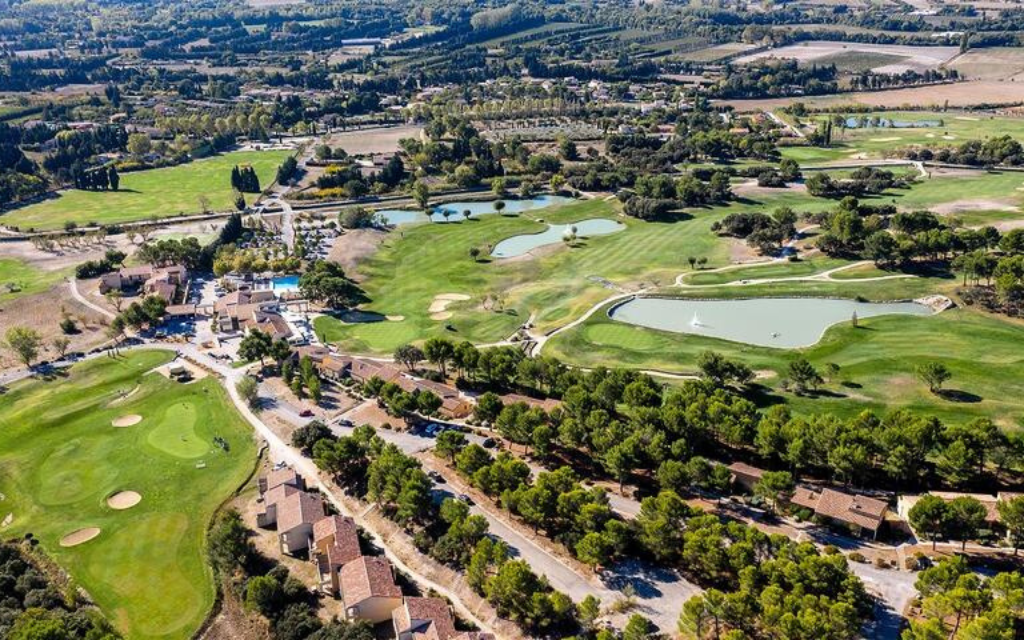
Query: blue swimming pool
(285, 284)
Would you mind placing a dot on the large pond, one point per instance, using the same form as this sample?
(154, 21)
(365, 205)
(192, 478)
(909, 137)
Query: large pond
(785, 323)
(555, 233)
(889, 123)
(455, 210)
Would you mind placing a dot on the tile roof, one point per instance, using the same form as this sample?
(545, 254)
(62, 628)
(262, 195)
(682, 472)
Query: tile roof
(277, 494)
(862, 511)
(297, 509)
(284, 475)
(744, 470)
(430, 617)
(367, 577)
(338, 538)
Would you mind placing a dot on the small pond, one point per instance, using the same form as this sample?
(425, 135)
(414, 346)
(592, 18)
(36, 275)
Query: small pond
(521, 244)
(396, 217)
(285, 284)
(785, 323)
(888, 123)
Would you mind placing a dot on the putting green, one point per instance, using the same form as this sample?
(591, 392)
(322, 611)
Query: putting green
(60, 461)
(175, 433)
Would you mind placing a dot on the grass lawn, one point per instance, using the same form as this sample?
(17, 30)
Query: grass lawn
(60, 459)
(157, 193)
(18, 278)
(877, 359)
(419, 262)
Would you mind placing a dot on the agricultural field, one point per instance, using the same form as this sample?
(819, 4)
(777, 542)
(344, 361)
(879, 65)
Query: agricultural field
(116, 471)
(997, 63)
(956, 94)
(717, 52)
(882, 58)
(156, 193)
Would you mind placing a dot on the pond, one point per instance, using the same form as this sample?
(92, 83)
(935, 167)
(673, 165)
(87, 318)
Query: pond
(522, 244)
(396, 217)
(784, 323)
(887, 123)
(285, 284)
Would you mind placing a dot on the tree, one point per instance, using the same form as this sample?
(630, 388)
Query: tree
(306, 436)
(638, 628)
(24, 342)
(248, 389)
(264, 594)
(488, 407)
(803, 375)
(256, 345)
(327, 283)
(439, 351)
(60, 345)
(775, 487)
(409, 355)
(449, 443)
(588, 611)
(499, 205)
(229, 545)
(722, 371)
(934, 374)
(474, 253)
(965, 518)
(928, 517)
(113, 178)
(421, 194)
(1011, 514)
(115, 298)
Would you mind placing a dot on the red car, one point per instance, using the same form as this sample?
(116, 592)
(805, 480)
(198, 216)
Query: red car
(306, 413)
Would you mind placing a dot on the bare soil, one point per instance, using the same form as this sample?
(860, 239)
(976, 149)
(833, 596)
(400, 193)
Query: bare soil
(353, 247)
(42, 312)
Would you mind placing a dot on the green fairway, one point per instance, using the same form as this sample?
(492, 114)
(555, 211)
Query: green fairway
(157, 193)
(18, 278)
(879, 357)
(419, 262)
(61, 458)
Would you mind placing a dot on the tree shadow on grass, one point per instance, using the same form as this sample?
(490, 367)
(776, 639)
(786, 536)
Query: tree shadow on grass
(957, 395)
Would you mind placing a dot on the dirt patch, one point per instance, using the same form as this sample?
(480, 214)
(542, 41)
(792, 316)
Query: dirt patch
(81, 536)
(353, 247)
(124, 500)
(377, 140)
(43, 312)
(129, 420)
(750, 189)
(973, 204)
(1008, 225)
(438, 308)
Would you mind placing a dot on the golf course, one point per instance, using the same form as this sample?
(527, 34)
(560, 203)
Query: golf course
(117, 471)
(154, 193)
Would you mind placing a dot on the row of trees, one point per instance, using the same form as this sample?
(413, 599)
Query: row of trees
(396, 483)
(244, 179)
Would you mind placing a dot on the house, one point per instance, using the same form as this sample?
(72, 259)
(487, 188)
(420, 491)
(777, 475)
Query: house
(989, 501)
(282, 476)
(159, 281)
(859, 513)
(335, 544)
(271, 498)
(423, 618)
(247, 310)
(453, 404)
(368, 589)
(745, 475)
(296, 514)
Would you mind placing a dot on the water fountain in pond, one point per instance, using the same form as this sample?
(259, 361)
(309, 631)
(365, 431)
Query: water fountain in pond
(695, 322)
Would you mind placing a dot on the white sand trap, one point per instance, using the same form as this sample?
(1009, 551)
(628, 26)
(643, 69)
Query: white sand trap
(395, 318)
(124, 500)
(949, 137)
(79, 537)
(968, 118)
(8, 519)
(892, 139)
(929, 135)
(441, 315)
(129, 420)
(442, 301)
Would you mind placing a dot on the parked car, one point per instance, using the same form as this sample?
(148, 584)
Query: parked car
(490, 443)
(466, 499)
(306, 413)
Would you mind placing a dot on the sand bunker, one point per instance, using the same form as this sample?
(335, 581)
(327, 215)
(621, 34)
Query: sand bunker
(395, 318)
(79, 537)
(124, 500)
(129, 420)
(438, 308)
(893, 139)
(969, 119)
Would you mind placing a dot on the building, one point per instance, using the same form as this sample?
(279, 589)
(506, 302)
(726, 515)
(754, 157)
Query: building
(159, 281)
(368, 589)
(858, 513)
(247, 310)
(271, 498)
(293, 512)
(421, 618)
(282, 476)
(745, 475)
(335, 544)
(989, 501)
(453, 404)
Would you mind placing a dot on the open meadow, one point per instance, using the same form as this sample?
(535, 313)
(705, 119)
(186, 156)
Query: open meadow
(117, 471)
(156, 193)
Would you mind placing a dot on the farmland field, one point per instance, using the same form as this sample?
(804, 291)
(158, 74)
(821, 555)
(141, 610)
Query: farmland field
(892, 58)
(156, 193)
(62, 458)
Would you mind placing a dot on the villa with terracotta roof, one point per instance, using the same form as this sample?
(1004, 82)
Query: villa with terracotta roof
(247, 310)
(159, 281)
(278, 477)
(335, 544)
(368, 589)
(424, 618)
(294, 512)
(859, 513)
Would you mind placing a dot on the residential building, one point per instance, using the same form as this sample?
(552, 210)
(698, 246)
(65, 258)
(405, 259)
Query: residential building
(296, 514)
(745, 475)
(859, 513)
(335, 544)
(423, 618)
(368, 589)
